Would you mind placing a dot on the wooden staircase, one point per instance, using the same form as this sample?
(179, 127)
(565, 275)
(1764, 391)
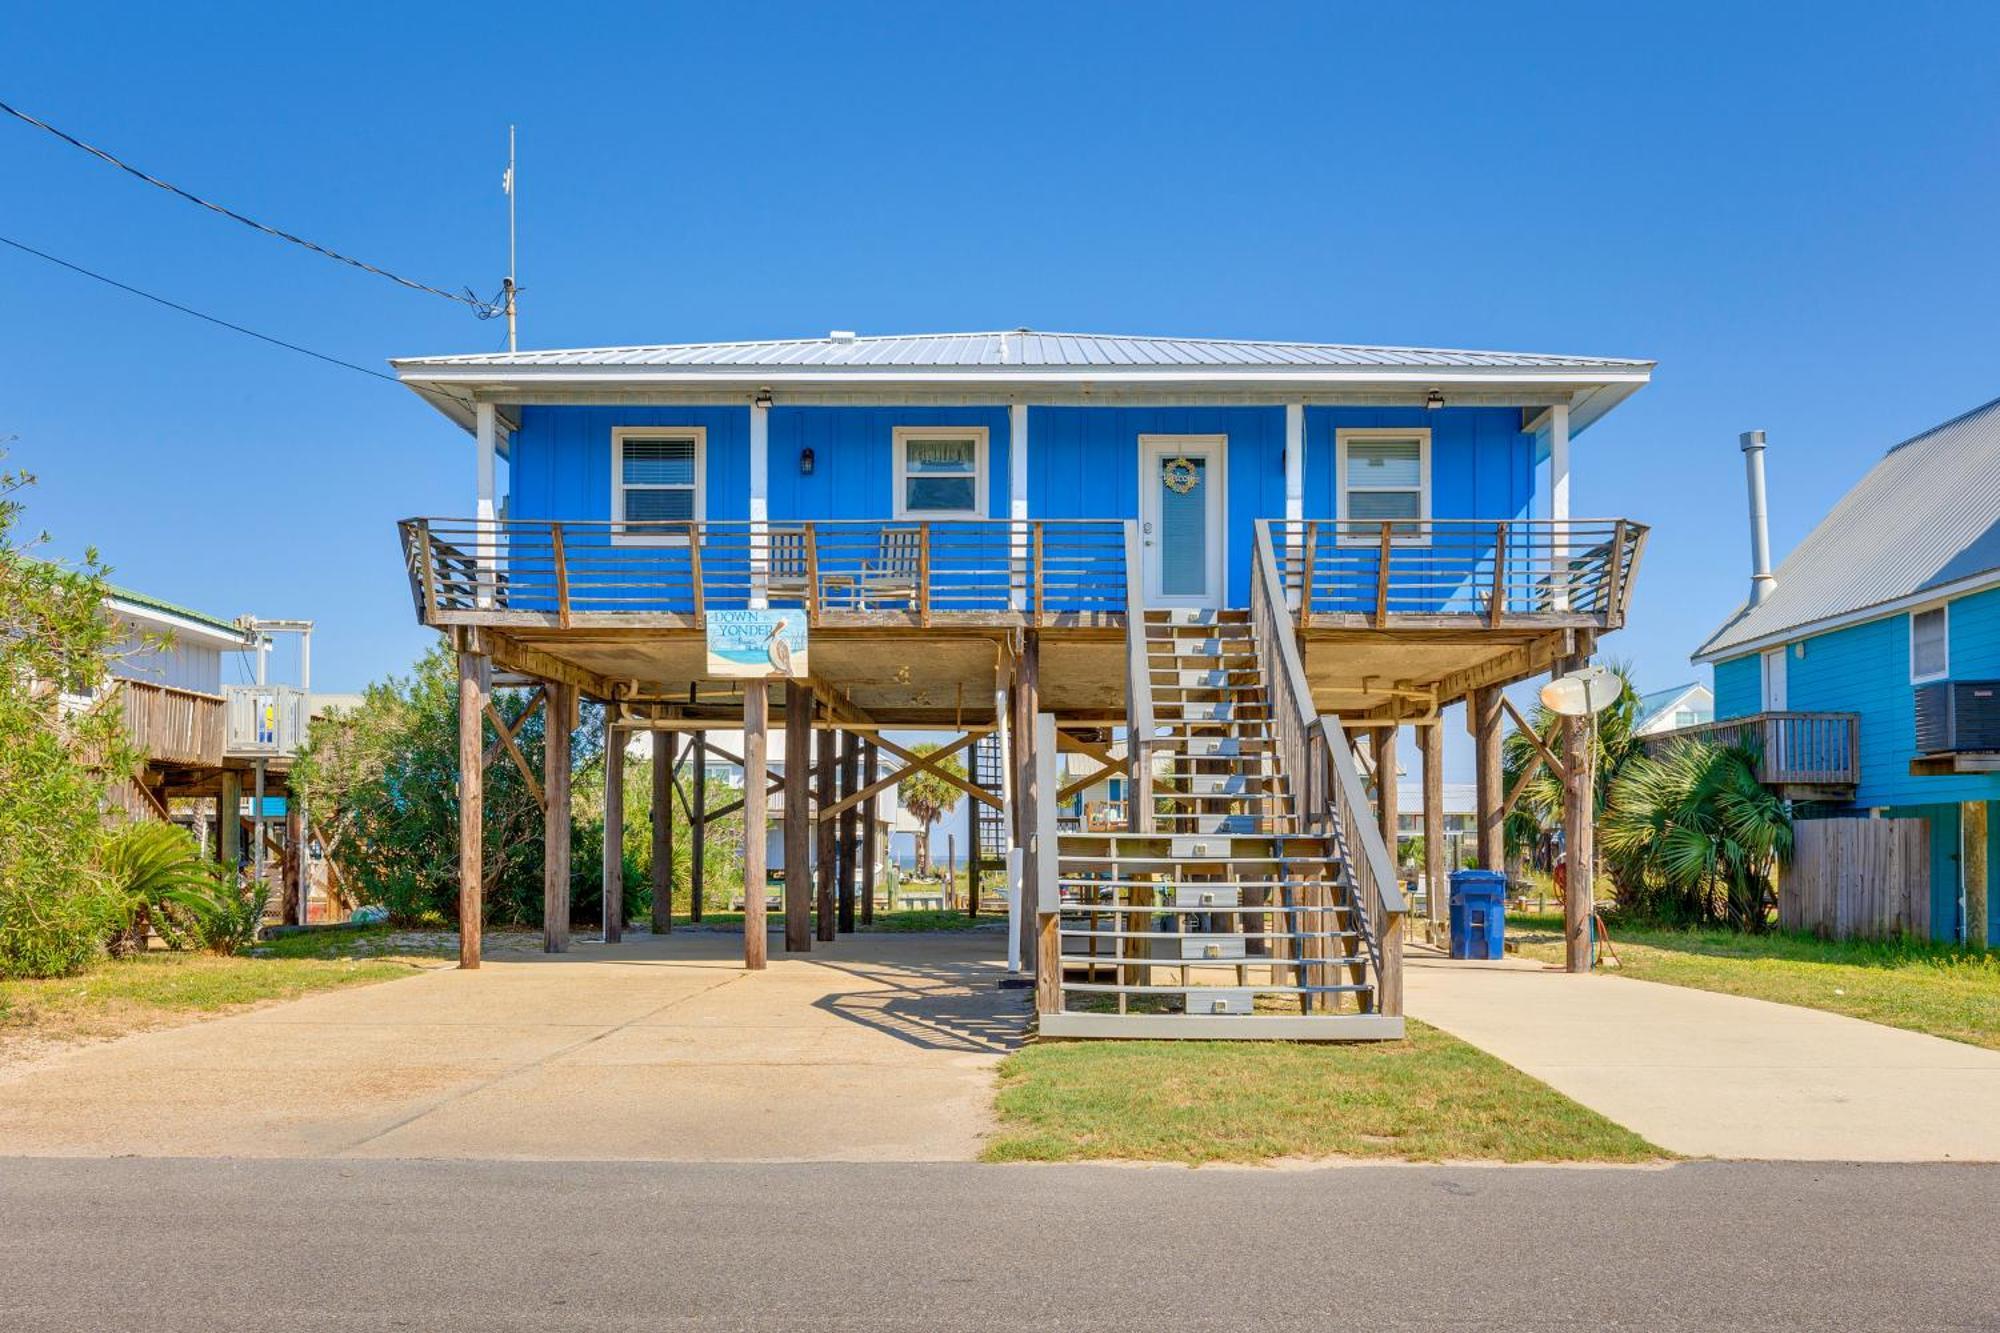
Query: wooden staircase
(1218, 914)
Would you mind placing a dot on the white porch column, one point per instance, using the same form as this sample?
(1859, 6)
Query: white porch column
(1295, 491)
(1559, 503)
(760, 506)
(1017, 497)
(484, 511)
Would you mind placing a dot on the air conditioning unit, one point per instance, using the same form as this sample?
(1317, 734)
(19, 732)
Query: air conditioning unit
(1958, 716)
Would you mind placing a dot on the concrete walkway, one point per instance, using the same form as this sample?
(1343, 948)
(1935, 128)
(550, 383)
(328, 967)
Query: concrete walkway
(878, 1047)
(1718, 1075)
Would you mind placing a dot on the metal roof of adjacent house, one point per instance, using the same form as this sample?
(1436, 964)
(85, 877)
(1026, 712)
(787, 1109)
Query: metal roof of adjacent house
(146, 602)
(1019, 348)
(1925, 519)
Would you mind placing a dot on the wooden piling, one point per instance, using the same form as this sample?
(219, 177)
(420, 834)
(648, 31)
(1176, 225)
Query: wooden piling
(823, 830)
(474, 685)
(556, 818)
(798, 817)
(756, 807)
(664, 745)
(850, 757)
(1435, 868)
(1483, 720)
(612, 860)
(698, 826)
(870, 844)
(1579, 832)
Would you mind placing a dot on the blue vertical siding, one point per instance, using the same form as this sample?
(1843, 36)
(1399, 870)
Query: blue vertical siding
(1083, 462)
(854, 462)
(561, 464)
(1482, 464)
(1739, 687)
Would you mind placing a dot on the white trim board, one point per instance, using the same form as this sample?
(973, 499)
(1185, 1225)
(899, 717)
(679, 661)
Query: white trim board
(900, 438)
(1342, 437)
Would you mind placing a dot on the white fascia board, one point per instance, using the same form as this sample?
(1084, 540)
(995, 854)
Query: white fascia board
(1861, 615)
(183, 629)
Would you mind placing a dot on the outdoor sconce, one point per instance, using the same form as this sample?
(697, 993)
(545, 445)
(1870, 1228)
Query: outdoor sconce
(805, 462)
(1433, 400)
(763, 398)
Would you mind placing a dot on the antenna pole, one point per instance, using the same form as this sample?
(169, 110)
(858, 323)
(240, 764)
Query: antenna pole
(508, 285)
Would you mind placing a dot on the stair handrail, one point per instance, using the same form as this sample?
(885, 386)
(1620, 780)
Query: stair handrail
(1138, 690)
(1331, 798)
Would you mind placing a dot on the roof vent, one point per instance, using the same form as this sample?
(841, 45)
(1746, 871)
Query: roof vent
(841, 336)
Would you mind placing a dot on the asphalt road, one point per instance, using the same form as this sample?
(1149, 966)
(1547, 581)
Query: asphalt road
(170, 1245)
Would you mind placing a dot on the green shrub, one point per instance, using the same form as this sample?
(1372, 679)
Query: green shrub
(156, 879)
(236, 913)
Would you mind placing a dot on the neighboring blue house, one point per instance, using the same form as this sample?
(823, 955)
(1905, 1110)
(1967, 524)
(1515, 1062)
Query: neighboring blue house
(1889, 606)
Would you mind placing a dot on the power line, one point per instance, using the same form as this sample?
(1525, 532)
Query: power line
(484, 309)
(189, 310)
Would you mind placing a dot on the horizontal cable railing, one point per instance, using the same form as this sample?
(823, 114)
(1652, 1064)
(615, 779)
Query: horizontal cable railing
(1039, 570)
(1489, 568)
(1806, 749)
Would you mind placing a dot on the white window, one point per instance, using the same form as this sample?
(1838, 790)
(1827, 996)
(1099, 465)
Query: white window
(1930, 644)
(656, 483)
(1684, 717)
(1383, 475)
(940, 471)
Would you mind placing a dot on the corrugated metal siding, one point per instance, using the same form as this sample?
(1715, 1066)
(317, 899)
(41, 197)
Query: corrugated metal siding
(1927, 515)
(1027, 348)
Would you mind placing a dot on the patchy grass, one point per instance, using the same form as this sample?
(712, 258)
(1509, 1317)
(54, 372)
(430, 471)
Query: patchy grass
(1939, 989)
(909, 920)
(164, 989)
(359, 942)
(1430, 1097)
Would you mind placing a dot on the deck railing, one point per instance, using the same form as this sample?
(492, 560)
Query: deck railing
(171, 725)
(1326, 784)
(1037, 571)
(1792, 749)
(1492, 569)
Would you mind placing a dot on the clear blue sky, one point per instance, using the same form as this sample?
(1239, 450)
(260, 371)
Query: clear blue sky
(1791, 208)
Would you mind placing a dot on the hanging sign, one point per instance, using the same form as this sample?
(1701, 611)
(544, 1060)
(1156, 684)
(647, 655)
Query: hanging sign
(757, 645)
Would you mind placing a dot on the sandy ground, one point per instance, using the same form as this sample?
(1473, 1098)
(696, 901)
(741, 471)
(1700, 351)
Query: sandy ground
(1719, 1075)
(878, 1047)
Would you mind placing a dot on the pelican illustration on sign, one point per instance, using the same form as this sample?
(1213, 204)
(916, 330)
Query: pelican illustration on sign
(756, 645)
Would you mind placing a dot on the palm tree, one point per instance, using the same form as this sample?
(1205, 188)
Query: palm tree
(1705, 837)
(929, 797)
(157, 879)
(1539, 812)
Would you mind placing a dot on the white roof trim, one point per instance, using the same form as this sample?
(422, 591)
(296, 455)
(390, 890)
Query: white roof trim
(1860, 615)
(183, 628)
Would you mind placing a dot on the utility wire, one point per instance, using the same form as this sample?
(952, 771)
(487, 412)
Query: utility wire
(484, 309)
(188, 310)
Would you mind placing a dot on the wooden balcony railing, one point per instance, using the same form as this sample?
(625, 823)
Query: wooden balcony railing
(172, 725)
(1559, 571)
(1792, 749)
(1038, 572)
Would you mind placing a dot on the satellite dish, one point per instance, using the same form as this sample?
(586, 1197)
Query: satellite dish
(1583, 693)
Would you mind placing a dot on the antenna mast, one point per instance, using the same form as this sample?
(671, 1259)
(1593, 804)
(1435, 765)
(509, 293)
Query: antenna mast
(508, 285)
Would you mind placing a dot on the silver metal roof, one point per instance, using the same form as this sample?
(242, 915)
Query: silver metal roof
(1925, 517)
(1021, 348)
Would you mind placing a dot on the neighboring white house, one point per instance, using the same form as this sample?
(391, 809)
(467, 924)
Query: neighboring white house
(1688, 705)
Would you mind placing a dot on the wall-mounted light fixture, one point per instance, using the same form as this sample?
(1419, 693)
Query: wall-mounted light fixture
(763, 398)
(1434, 400)
(805, 462)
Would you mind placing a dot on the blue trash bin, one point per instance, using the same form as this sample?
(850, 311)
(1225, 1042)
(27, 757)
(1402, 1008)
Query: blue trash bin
(1478, 914)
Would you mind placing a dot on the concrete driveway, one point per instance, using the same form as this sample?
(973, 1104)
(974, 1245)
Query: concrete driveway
(878, 1047)
(1718, 1075)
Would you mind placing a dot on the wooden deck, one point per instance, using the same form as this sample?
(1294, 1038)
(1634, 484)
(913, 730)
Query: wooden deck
(1802, 755)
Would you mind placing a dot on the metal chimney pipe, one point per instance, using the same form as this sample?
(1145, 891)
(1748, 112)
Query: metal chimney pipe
(1761, 578)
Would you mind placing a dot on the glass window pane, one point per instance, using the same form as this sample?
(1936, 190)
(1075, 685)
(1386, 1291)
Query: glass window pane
(674, 504)
(957, 494)
(1375, 505)
(940, 455)
(1384, 463)
(1184, 529)
(1927, 643)
(665, 462)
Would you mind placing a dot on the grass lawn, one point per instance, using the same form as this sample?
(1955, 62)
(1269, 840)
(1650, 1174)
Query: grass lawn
(1430, 1097)
(914, 919)
(163, 989)
(1945, 991)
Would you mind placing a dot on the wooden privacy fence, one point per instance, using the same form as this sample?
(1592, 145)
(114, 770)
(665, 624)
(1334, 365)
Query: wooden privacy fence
(171, 725)
(1869, 878)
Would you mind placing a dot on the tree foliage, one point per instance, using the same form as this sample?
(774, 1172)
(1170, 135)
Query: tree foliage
(928, 798)
(1701, 836)
(1539, 812)
(62, 742)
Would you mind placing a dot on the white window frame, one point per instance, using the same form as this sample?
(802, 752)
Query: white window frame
(1943, 609)
(619, 434)
(902, 435)
(1346, 434)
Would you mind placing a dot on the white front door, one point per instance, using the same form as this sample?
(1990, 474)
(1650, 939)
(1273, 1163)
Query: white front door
(1182, 481)
(1774, 681)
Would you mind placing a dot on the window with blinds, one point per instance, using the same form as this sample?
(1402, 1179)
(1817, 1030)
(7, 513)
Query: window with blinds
(1930, 646)
(656, 484)
(1385, 477)
(940, 473)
